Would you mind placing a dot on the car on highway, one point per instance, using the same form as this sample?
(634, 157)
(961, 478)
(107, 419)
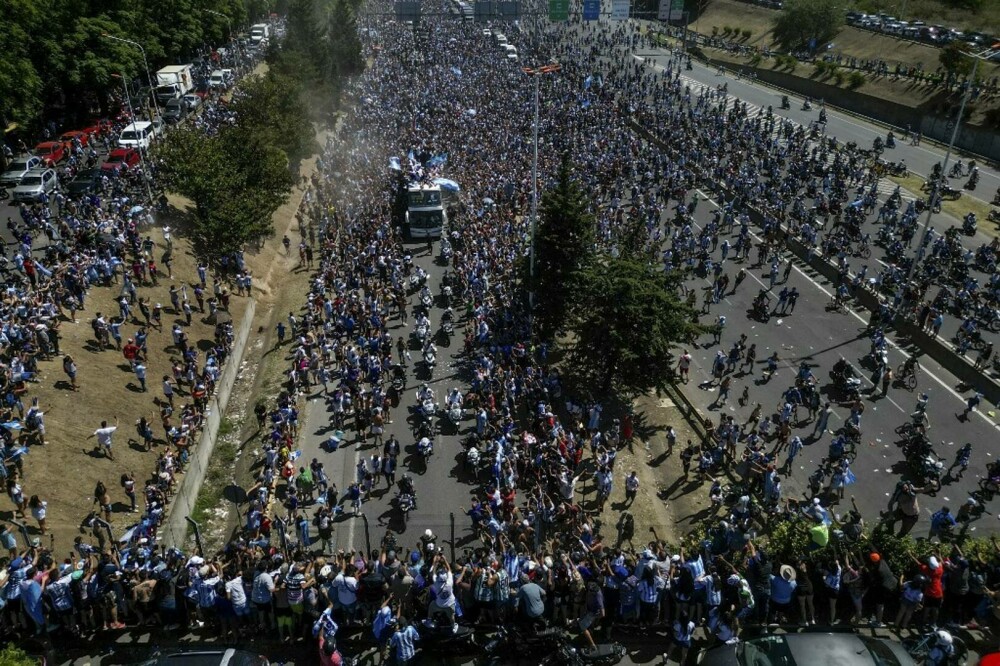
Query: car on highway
(34, 184)
(192, 101)
(18, 169)
(174, 110)
(51, 152)
(807, 649)
(119, 157)
(68, 137)
(136, 135)
(85, 182)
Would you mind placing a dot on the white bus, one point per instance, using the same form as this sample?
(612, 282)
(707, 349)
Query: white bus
(426, 216)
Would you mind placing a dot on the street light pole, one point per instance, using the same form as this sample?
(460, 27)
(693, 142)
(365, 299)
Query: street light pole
(536, 72)
(142, 152)
(936, 182)
(145, 62)
(229, 23)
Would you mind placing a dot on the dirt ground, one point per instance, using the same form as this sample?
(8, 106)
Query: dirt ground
(666, 506)
(850, 41)
(64, 473)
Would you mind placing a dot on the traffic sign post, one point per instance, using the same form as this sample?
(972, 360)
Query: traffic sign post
(591, 10)
(558, 10)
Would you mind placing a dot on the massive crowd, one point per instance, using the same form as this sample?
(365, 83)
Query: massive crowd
(540, 557)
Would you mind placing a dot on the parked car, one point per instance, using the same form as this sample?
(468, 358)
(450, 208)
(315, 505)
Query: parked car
(97, 126)
(51, 152)
(157, 127)
(219, 657)
(68, 137)
(85, 182)
(34, 184)
(174, 110)
(202, 90)
(18, 169)
(192, 101)
(843, 649)
(119, 157)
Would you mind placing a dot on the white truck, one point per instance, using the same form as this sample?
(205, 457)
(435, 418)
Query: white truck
(259, 33)
(173, 82)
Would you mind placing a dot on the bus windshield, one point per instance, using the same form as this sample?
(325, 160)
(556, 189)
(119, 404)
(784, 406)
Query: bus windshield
(422, 197)
(426, 219)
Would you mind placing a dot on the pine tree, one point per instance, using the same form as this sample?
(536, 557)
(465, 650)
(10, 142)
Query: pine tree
(564, 247)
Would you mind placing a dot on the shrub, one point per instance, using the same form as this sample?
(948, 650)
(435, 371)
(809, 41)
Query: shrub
(855, 80)
(747, 33)
(715, 31)
(755, 60)
(838, 76)
(726, 31)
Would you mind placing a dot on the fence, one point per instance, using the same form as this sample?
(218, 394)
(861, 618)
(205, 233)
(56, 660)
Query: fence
(173, 532)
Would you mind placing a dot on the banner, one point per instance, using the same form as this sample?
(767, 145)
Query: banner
(591, 10)
(620, 10)
(558, 10)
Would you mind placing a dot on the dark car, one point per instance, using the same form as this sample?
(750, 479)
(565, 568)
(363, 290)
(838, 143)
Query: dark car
(85, 182)
(809, 649)
(219, 657)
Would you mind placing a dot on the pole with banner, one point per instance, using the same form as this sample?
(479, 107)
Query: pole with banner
(620, 10)
(558, 10)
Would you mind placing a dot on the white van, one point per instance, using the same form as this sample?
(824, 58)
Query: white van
(501, 39)
(136, 135)
(511, 51)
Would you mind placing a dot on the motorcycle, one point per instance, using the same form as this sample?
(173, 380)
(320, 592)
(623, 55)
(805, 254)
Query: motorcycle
(426, 300)
(897, 168)
(425, 447)
(455, 414)
(406, 489)
(969, 224)
(406, 503)
(441, 634)
(420, 333)
(418, 279)
(603, 654)
(430, 357)
(472, 458)
(806, 105)
(508, 645)
(930, 469)
(445, 251)
(447, 328)
(994, 216)
(822, 116)
(890, 140)
(785, 104)
(446, 295)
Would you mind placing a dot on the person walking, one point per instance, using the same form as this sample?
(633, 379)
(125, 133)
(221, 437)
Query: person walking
(970, 405)
(103, 435)
(822, 421)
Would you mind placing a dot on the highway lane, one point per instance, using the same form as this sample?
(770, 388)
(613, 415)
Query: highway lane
(812, 334)
(920, 159)
(442, 488)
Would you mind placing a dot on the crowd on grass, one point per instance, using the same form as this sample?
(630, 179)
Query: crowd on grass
(539, 558)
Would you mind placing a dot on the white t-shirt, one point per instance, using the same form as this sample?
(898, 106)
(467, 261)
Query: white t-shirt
(443, 589)
(236, 593)
(347, 589)
(104, 435)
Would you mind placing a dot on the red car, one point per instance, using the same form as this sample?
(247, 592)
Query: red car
(97, 127)
(51, 152)
(82, 135)
(119, 157)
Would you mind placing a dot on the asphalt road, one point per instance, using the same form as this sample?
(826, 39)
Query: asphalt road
(919, 159)
(441, 489)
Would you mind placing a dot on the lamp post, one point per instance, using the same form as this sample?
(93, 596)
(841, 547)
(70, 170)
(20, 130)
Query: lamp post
(145, 62)
(142, 153)
(229, 23)
(936, 182)
(535, 72)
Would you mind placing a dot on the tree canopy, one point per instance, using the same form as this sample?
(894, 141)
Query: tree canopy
(955, 59)
(801, 21)
(564, 246)
(56, 57)
(625, 319)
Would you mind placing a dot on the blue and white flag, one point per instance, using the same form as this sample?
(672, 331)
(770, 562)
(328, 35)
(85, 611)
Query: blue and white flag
(394, 164)
(456, 71)
(587, 81)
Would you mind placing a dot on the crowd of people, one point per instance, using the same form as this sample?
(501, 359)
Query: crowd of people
(540, 558)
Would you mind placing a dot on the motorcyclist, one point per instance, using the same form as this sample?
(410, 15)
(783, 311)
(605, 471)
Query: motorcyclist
(423, 322)
(454, 398)
(425, 393)
(890, 140)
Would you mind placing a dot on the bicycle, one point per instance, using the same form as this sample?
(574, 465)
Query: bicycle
(907, 377)
(836, 305)
(918, 647)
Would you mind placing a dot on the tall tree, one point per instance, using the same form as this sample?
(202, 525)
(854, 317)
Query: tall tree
(271, 109)
(625, 319)
(564, 246)
(20, 83)
(345, 43)
(802, 21)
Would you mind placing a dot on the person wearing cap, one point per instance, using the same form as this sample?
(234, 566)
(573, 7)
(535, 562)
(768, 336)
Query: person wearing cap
(934, 589)
(882, 586)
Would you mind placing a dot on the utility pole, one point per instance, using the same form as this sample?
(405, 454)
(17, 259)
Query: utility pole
(936, 182)
(535, 72)
(142, 151)
(145, 62)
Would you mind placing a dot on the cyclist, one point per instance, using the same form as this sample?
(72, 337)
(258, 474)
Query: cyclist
(910, 366)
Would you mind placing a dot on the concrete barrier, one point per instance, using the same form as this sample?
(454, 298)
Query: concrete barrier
(173, 531)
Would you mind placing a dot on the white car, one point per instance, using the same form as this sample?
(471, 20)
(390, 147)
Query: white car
(192, 101)
(34, 184)
(18, 169)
